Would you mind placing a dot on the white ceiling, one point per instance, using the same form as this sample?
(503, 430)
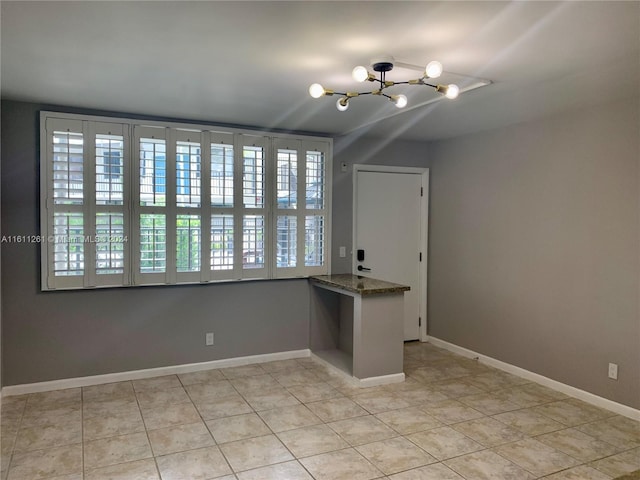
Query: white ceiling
(251, 63)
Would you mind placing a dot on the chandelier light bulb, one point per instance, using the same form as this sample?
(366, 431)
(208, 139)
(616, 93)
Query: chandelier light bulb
(316, 90)
(342, 104)
(360, 73)
(400, 101)
(434, 69)
(452, 91)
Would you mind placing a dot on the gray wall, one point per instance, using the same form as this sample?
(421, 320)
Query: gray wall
(54, 335)
(534, 245)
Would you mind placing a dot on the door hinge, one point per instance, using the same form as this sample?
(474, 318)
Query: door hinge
(420, 256)
(422, 191)
(419, 321)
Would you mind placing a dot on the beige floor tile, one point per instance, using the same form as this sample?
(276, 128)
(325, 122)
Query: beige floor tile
(108, 391)
(255, 383)
(578, 444)
(117, 445)
(288, 470)
(619, 464)
(421, 394)
(13, 407)
(528, 395)
(48, 436)
(203, 376)
(395, 455)
(336, 409)
(54, 398)
(148, 399)
(212, 408)
(457, 369)
(361, 430)
(180, 438)
(313, 440)
(529, 422)
(495, 380)
(408, 420)
(378, 402)
(51, 462)
(271, 399)
(570, 413)
(242, 371)
(314, 392)
(444, 442)
(286, 365)
(156, 383)
(230, 429)
(408, 384)
(488, 403)
(456, 388)
(296, 377)
(620, 431)
(57, 416)
(345, 464)
(579, 473)
(199, 464)
(113, 450)
(104, 408)
(487, 465)
(488, 431)
(169, 416)
(536, 457)
(289, 418)
(427, 375)
(112, 425)
(77, 476)
(350, 390)
(436, 471)
(138, 470)
(255, 452)
(199, 392)
(451, 411)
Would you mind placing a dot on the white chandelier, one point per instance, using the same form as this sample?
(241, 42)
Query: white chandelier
(382, 66)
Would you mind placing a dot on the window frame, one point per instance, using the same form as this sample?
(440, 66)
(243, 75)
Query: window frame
(207, 135)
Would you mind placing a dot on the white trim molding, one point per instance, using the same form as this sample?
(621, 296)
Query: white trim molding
(590, 398)
(380, 380)
(359, 382)
(150, 372)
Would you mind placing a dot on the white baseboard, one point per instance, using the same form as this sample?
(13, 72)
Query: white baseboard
(150, 372)
(547, 382)
(360, 382)
(381, 380)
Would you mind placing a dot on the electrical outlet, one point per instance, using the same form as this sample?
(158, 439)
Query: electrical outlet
(613, 371)
(209, 338)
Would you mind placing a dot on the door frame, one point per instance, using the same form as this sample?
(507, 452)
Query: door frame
(424, 227)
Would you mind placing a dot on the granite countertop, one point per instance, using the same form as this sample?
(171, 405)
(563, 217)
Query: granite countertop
(358, 284)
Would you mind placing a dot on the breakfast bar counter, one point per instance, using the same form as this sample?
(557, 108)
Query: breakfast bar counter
(357, 326)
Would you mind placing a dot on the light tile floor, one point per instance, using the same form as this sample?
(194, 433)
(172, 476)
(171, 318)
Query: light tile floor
(451, 419)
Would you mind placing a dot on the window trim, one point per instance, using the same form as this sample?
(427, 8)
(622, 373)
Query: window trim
(207, 134)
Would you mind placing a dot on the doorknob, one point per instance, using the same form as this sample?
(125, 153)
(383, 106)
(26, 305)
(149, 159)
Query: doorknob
(363, 269)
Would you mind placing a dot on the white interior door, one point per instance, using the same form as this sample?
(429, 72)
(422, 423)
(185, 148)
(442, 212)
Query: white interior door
(390, 230)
